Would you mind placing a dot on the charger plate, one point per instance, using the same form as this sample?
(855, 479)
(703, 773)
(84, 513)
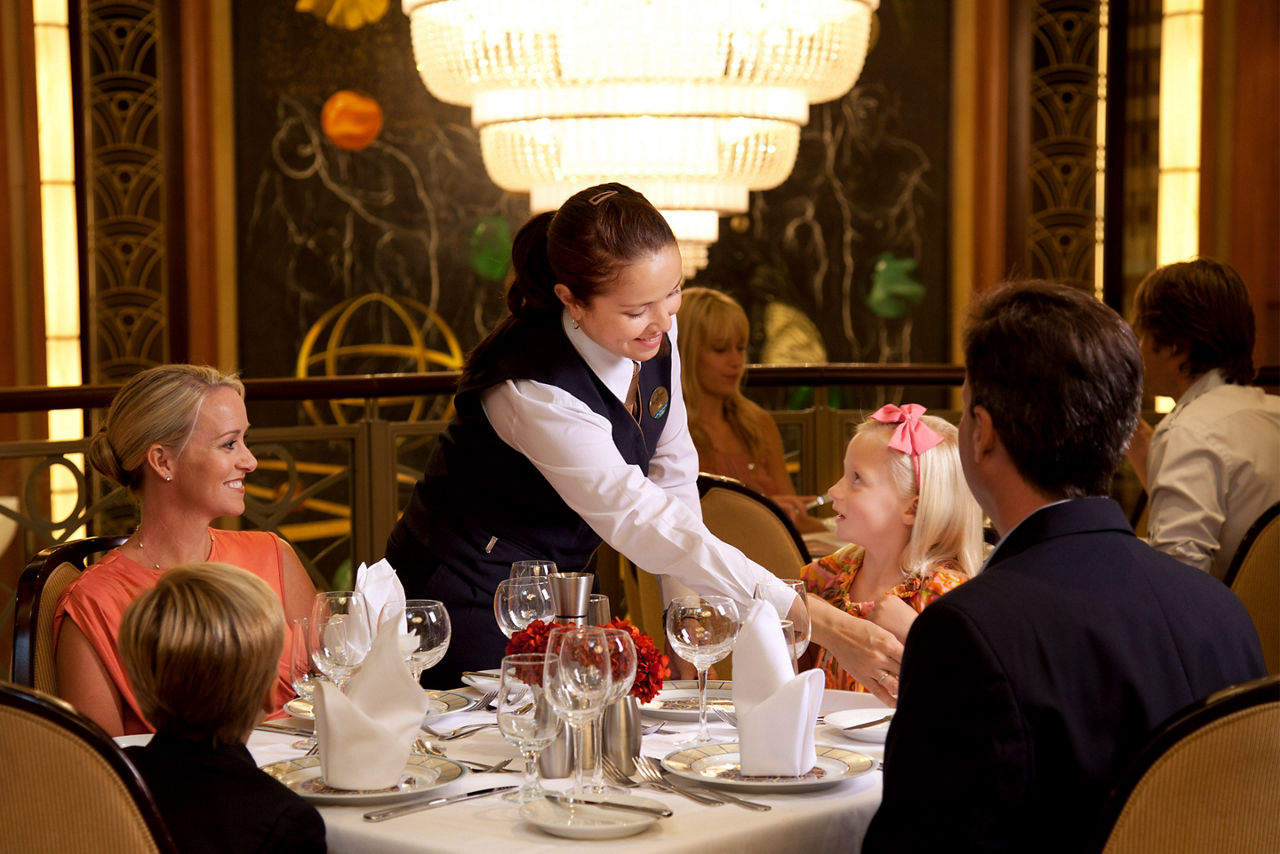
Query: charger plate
(678, 699)
(421, 774)
(442, 703)
(721, 765)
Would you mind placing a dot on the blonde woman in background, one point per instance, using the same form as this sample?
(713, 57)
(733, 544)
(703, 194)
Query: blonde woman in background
(175, 437)
(733, 436)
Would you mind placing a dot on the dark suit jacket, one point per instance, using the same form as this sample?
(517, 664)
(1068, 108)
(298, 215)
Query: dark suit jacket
(1025, 691)
(215, 800)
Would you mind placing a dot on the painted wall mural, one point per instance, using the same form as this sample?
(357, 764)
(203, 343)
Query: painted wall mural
(352, 179)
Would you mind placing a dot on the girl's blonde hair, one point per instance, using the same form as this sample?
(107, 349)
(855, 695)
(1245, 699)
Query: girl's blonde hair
(706, 318)
(158, 406)
(948, 526)
(202, 650)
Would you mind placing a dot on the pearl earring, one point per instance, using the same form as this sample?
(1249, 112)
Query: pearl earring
(575, 323)
(168, 478)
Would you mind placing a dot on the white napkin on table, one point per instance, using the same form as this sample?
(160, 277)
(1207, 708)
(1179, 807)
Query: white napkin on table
(776, 709)
(380, 587)
(366, 734)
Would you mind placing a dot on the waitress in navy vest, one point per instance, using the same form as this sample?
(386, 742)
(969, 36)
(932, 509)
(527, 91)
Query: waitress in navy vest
(571, 429)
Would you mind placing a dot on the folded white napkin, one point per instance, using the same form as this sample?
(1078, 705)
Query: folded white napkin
(380, 587)
(366, 734)
(776, 709)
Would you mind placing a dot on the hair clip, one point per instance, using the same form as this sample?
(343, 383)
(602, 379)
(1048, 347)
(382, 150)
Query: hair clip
(600, 197)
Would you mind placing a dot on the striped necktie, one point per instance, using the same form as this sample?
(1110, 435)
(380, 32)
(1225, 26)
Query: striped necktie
(633, 393)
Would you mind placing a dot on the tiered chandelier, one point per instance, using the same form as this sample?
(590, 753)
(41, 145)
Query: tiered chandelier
(692, 102)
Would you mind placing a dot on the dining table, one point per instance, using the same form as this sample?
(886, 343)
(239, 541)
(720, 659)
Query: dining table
(832, 818)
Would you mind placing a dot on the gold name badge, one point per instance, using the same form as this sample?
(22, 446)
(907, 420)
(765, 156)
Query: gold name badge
(658, 402)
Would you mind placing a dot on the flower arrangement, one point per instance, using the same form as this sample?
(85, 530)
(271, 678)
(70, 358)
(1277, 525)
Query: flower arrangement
(651, 664)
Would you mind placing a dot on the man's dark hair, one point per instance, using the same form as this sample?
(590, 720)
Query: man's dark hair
(1061, 376)
(1201, 309)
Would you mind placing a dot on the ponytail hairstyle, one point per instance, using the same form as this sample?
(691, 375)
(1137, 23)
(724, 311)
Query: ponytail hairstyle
(583, 245)
(156, 407)
(948, 526)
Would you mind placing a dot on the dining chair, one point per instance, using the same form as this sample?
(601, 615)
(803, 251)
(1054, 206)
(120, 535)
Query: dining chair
(750, 521)
(45, 577)
(1208, 780)
(67, 786)
(1254, 576)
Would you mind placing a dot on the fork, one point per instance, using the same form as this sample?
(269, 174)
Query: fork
(731, 718)
(653, 729)
(482, 702)
(460, 732)
(651, 771)
(615, 773)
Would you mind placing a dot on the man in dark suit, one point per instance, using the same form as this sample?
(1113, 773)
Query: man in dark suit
(1025, 691)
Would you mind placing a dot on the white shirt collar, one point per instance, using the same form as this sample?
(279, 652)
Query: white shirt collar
(1207, 382)
(613, 370)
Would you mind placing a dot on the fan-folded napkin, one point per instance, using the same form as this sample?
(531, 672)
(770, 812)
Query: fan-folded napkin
(776, 709)
(380, 587)
(367, 733)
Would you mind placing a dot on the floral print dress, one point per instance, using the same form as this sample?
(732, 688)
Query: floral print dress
(831, 577)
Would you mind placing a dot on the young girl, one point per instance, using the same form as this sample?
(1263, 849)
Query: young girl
(914, 530)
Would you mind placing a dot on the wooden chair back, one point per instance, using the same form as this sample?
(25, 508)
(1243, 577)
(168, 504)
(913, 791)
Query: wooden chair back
(1254, 576)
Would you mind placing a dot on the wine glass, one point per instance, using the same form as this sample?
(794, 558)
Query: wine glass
(577, 676)
(525, 717)
(426, 634)
(339, 634)
(519, 601)
(622, 660)
(303, 674)
(790, 602)
(532, 568)
(702, 629)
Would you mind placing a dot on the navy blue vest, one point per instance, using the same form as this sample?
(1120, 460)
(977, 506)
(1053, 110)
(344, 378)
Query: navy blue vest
(481, 505)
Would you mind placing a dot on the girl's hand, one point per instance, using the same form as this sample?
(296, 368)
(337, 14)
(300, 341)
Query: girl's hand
(894, 615)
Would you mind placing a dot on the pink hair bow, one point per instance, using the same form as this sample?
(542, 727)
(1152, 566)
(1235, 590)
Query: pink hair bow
(912, 436)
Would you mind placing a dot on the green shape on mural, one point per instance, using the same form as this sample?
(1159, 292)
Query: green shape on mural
(893, 292)
(491, 247)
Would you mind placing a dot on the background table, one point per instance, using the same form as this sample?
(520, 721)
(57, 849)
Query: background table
(833, 819)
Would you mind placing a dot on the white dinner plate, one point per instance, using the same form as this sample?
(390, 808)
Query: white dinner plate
(583, 822)
(678, 699)
(836, 721)
(442, 703)
(720, 765)
(421, 774)
(483, 680)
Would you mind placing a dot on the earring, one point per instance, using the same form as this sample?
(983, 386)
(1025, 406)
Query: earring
(575, 323)
(168, 478)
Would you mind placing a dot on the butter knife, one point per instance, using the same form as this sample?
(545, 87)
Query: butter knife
(570, 800)
(432, 803)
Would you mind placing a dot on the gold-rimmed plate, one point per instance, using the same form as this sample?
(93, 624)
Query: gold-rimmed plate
(421, 774)
(678, 699)
(721, 765)
(442, 703)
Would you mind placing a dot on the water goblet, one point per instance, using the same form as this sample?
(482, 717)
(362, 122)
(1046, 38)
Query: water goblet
(525, 717)
(519, 601)
(701, 630)
(532, 568)
(339, 634)
(577, 676)
(791, 602)
(303, 674)
(426, 632)
(622, 660)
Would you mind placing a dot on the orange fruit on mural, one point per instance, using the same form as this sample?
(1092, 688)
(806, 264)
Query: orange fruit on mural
(351, 119)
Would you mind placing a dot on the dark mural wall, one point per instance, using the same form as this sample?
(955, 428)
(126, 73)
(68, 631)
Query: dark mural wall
(846, 261)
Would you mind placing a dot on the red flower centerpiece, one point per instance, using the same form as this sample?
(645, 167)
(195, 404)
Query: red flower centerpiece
(651, 665)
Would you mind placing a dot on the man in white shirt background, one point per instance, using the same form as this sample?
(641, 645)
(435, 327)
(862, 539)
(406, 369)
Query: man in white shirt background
(1212, 465)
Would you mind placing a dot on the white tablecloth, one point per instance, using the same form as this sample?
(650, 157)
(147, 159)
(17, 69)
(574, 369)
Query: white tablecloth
(833, 819)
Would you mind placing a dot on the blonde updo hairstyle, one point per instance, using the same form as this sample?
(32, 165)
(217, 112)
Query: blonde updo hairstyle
(158, 406)
(948, 525)
(202, 649)
(706, 318)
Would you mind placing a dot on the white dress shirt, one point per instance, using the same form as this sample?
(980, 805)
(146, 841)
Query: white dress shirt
(1214, 467)
(655, 521)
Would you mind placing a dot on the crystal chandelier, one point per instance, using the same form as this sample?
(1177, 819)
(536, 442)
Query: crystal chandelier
(692, 102)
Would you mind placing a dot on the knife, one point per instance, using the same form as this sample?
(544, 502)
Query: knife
(432, 803)
(572, 801)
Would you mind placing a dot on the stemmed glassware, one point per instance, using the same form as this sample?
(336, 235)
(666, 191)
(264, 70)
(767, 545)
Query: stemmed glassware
(532, 568)
(792, 604)
(525, 717)
(519, 601)
(302, 672)
(622, 658)
(339, 634)
(702, 629)
(427, 632)
(577, 676)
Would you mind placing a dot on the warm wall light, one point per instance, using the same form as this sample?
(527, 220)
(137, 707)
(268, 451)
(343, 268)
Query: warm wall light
(693, 102)
(1181, 72)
